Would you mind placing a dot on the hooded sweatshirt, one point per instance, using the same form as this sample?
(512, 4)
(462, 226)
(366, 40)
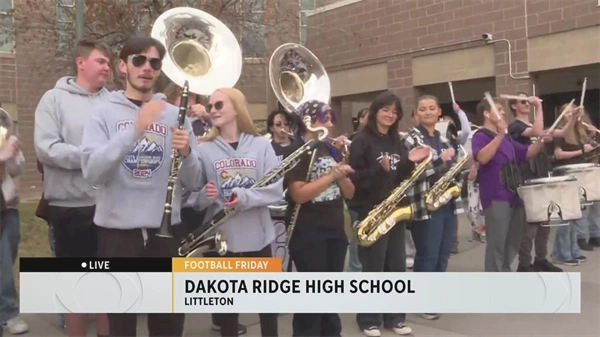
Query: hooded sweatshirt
(60, 118)
(130, 168)
(235, 171)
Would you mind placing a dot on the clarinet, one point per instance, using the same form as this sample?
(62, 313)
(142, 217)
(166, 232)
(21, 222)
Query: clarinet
(166, 228)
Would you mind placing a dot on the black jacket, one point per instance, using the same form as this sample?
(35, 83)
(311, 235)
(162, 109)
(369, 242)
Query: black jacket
(372, 183)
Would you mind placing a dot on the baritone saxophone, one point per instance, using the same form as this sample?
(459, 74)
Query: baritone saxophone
(384, 216)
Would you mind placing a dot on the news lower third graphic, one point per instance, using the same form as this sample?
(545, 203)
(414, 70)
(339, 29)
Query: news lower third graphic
(254, 285)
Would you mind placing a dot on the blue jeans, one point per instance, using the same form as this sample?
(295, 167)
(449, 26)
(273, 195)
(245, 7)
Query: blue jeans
(434, 240)
(52, 242)
(353, 263)
(592, 228)
(565, 244)
(9, 249)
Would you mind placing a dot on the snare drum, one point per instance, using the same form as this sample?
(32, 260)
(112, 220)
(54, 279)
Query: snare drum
(552, 201)
(588, 177)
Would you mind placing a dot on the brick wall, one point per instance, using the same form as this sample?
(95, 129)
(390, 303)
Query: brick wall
(353, 35)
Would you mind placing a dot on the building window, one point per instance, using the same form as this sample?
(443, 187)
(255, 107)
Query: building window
(64, 22)
(251, 34)
(7, 42)
(305, 5)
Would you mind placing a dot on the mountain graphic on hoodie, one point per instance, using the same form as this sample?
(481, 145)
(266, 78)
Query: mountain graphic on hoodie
(147, 148)
(237, 181)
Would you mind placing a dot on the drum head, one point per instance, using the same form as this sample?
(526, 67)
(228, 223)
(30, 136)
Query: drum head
(549, 180)
(574, 167)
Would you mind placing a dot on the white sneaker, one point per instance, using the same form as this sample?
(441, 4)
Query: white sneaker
(17, 326)
(410, 262)
(372, 332)
(401, 329)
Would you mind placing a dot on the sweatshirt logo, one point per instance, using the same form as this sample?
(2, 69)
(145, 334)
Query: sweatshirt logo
(148, 152)
(234, 172)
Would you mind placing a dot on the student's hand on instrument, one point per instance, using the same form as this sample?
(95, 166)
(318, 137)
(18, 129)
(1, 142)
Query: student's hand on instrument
(9, 150)
(385, 163)
(211, 191)
(150, 112)
(233, 201)
(588, 148)
(547, 137)
(342, 171)
(448, 154)
(181, 141)
(455, 107)
(534, 100)
(340, 142)
(502, 127)
(418, 154)
(198, 111)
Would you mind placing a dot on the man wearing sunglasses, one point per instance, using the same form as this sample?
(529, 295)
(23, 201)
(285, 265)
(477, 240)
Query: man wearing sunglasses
(126, 153)
(59, 121)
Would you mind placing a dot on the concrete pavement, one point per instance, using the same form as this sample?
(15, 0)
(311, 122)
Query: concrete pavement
(469, 259)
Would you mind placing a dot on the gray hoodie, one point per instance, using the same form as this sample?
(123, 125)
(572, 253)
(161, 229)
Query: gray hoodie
(59, 120)
(131, 169)
(235, 171)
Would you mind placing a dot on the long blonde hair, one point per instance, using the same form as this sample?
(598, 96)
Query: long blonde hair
(244, 121)
(576, 134)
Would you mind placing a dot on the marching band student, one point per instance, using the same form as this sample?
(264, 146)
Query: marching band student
(569, 150)
(362, 117)
(125, 150)
(432, 232)
(522, 131)
(381, 163)
(59, 122)
(503, 209)
(278, 123)
(318, 242)
(234, 156)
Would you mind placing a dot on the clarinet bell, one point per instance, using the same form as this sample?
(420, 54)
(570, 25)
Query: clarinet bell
(165, 230)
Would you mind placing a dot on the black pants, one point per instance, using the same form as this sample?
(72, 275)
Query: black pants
(130, 243)
(191, 219)
(388, 254)
(316, 252)
(229, 322)
(74, 231)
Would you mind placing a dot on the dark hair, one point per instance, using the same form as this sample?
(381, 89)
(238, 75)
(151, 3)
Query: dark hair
(424, 97)
(514, 101)
(483, 105)
(386, 98)
(271, 118)
(362, 113)
(140, 44)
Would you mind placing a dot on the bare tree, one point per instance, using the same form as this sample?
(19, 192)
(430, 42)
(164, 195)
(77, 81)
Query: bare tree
(113, 21)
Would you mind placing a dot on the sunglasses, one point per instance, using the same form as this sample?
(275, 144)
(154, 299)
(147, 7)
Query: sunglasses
(218, 106)
(524, 102)
(140, 60)
(280, 124)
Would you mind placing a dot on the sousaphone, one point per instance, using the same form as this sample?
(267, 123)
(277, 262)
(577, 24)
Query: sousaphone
(297, 76)
(200, 50)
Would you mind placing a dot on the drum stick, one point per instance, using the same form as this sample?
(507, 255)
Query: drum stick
(451, 92)
(490, 101)
(518, 98)
(534, 107)
(583, 87)
(562, 114)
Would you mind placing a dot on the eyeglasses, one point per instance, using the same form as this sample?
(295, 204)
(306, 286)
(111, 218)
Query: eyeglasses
(140, 60)
(524, 102)
(280, 124)
(218, 106)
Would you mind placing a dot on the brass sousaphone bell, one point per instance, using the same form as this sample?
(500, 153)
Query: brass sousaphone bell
(297, 76)
(203, 52)
(200, 50)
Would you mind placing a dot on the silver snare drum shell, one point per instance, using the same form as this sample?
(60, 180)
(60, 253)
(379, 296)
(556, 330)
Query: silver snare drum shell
(551, 201)
(588, 178)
